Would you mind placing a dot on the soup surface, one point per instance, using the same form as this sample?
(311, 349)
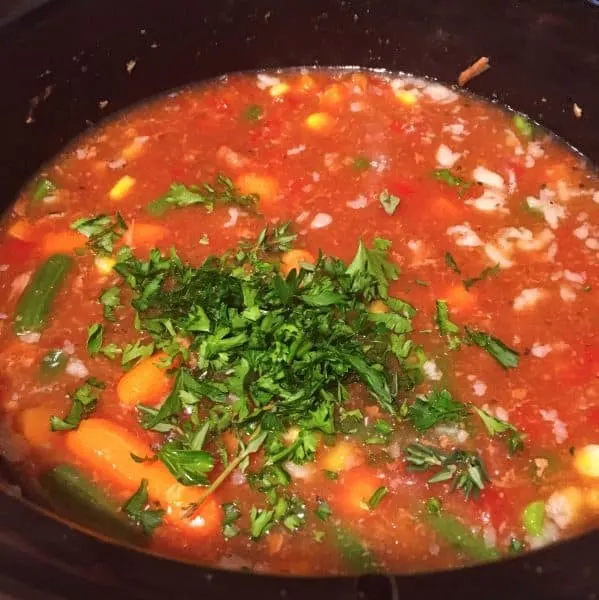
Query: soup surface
(309, 322)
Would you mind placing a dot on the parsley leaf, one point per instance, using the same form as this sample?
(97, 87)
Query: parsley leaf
(444, 323)
(451, 263)
(389, 201)
(504, 355)
(437, 407)
(138, 510)
(253, 113)
(102, 232)
(323, 510)
(95, 333)
(84, 401)
(231, 515)
(464, 469)
(485, 274)
(220, 192)
(446, 176)
(189, 467)
(110, 300)
(132, 353)
(370, 270)
(261, 520)
(361, 163)
(500, 428)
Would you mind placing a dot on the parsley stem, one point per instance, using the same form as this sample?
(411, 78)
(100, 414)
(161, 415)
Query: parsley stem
(253, 445)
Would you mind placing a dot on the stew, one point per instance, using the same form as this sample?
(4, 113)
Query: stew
(308, 322)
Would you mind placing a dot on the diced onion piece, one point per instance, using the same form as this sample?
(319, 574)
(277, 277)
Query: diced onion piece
(321, 220)
(465, 235)
(563, 506)
(586, 460)
(76, 368)
(445, 157)
(121, 188)
(528, 298)
(488, 177)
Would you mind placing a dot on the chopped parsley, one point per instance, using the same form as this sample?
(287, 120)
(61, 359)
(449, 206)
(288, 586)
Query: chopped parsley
(451, 263)
(437, 407)
(388, 201)
(102, 232)
(504, 355)
(446, 176)
(447, 328)
(220, 192)
(464, 469)
(261, 520)
(231, 515)
(361, 163)
(323, 510)
(485, 274)
(54, 362)
(253, 113)
(499, 428)
(84, 400)
(95, 333)
(137, 508)
(110, 299)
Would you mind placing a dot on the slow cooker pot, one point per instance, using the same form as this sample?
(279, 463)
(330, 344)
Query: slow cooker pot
(66, 64)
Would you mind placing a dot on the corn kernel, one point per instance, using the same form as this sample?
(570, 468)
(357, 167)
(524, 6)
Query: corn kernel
(405, 97)
(279, 89)
(122, 187)
(586, 460)
(319, 121)
(104, 264)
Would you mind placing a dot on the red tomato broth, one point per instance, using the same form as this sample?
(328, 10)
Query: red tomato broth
(193, 134)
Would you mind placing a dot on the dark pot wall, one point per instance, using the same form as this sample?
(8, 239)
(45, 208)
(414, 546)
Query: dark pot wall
(61, 61)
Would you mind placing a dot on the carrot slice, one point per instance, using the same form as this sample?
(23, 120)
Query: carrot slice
(144, 234)
(293, 259)
(106, 448)
(459, 298)
(35, 426)
(21, 230)
(146, 383)
(264, 186)
(62, 242)
(357, 487)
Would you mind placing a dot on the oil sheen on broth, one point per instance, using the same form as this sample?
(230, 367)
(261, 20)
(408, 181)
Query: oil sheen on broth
(308, 322)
